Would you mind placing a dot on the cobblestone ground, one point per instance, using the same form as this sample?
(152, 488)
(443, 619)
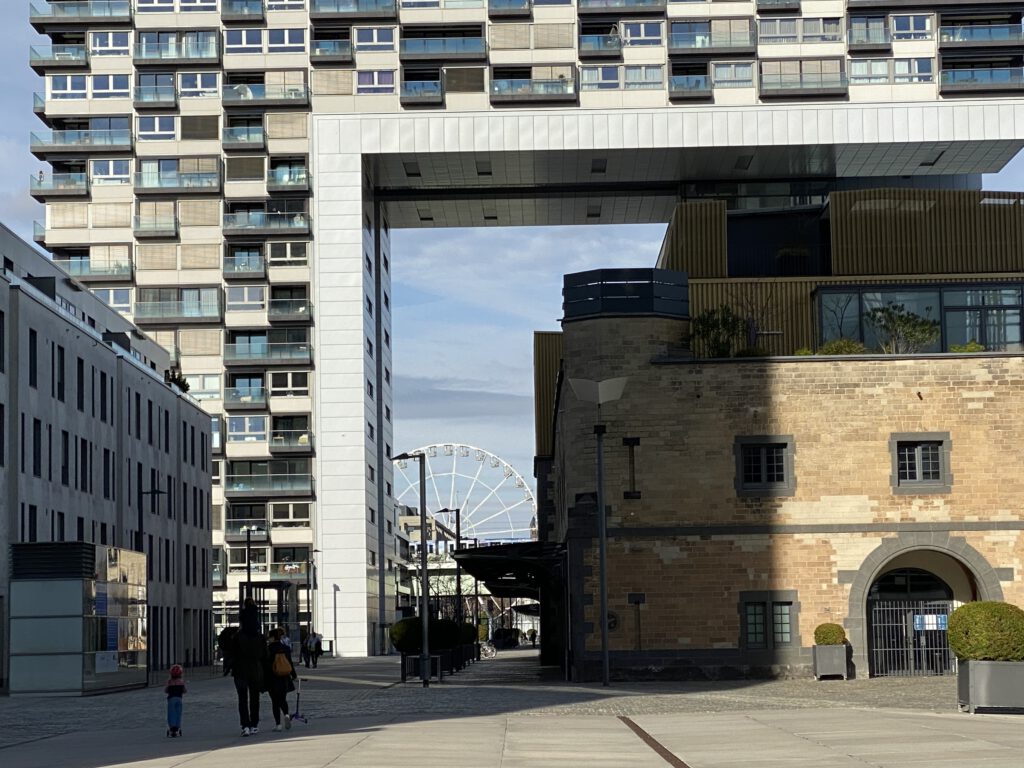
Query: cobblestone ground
(510, 684)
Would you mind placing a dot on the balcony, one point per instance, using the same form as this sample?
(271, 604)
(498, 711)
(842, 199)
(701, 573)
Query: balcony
(78, 141)
(241, 10)
(39, 231)
(442, 48)
(264, 486)
(981, 80)
(981, 36)
(290, 311)
(600, 47)
(421, 93)
(778, 6)
(176, 182)
(296, 571)
(44, 15)
(256, 529)
(291, 442)
(246, 267)
(344, 10)
(59, 185)
(287, 179)
(689, 88)
(64, 56)
(155, 226)
(218, 575)
(155, 97)
(268, 353)
(176, 312)
(88, 270)
(182, 52)
(260, 95)
(244, 137)
(711, 44)
(330, 51)
(509, 9)
(39, 103)
(511, 91)
(250, 223)
(623, 7)
(245, 398)
(869, 40)
(807, 85)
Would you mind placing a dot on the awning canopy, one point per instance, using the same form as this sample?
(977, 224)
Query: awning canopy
(521, 569)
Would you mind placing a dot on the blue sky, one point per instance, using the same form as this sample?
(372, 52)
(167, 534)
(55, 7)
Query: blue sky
(465, 302)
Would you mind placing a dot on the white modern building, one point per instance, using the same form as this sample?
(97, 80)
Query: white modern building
(96, 447)
(228, 172)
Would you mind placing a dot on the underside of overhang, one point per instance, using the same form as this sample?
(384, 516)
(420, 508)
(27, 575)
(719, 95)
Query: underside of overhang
(522, 569)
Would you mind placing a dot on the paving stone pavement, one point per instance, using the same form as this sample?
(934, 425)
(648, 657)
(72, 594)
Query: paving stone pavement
(504, 712)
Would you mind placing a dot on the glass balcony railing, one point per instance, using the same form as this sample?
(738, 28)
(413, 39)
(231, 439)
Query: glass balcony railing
(267, 484)
(176, 50)
(266, 220)
(246, 134)
(81, 10)
(421, 89)
(870, 37)
(515, 87)
(248, 264)
(338, 48)
(245, 92)
(288, 176)
(95, 268)
(290, 307)
(167, 310)
(177, 180)
(156, 94)
(983, 77)
(256, 352)
(245, 396)
(38, 231)
(294, 439)
(69, 183)
(443, 46)
(689, 84)
(82, 138)
(615, 5)
(58, 54)
(242, 8)
(218, 574)
(600, 44)
(254, 527)
(380, 7)
(806, 81)
(982, 33)
(155, 226)
(778, 5)
(509, 6)
(38, 102)
(698, 40)
(289, 570)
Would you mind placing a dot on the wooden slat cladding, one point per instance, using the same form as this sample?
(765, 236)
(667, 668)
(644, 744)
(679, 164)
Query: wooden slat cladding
(696, 241)
(915, 231)
(547, 361)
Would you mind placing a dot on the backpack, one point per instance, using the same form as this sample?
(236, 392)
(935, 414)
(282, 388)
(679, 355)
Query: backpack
(281, 667)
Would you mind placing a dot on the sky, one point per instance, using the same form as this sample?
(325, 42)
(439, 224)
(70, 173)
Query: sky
(465, 302)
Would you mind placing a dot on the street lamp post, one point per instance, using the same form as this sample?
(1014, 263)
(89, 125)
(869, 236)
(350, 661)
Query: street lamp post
(424, 576)
(248, 557)
(310, 583)
(599, 392)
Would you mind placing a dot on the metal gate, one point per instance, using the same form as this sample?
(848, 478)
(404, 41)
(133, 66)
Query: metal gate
(908, 638)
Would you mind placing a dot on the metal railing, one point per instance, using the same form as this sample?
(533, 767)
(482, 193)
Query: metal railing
(252, 8)
(869, 37)
(159, 310)
(982, 33)
(259, 525)
(244, 265)
(38, 231)
(806, 80)
(177, 180)
(442, 46)
(183, 49)
(697, 40)
(620, 4)
(60, 182)
(600, 43)
(689, 84)
(290, 307)
(529, 87)
(154, 224)
(244, 134)
(290, 570)
(242, 92)
(286, 176)
(82, 138)
(302, 483)
(64, 54)
(353, 6)
(255, 352)
(509, 5)
(83, 9)
(984, 76)
(330, 48)
(156, 94)
(291, 438)
(93, 268)
(245, 396)
(266, 220)
(420, 88)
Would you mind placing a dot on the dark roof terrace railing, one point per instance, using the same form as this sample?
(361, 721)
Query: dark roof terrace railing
(612, 292)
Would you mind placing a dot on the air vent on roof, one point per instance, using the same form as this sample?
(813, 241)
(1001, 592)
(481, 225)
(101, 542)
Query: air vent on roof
(412, 169)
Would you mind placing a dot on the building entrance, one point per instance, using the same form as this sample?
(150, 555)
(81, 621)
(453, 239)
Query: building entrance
(908, 615)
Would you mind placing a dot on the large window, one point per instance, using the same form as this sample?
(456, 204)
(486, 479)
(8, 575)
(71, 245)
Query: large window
(375, 81)
(193, 84)
(247, 429)
(111, 172)
(289, 384)
(204, 386)
(243, 41)
(733, 74)
(375, 38)
(286, 41)
(109, 43)
(920, 462)
(643, 77)
(764, 465)
(990, 318)
(68, 87)
(869, 71)
(641, 32)
(602, 78)
(768, 620)
(158, 128)
(914, 70)
(288, 254)
(246, 298)
(111, 86)
(119, 299)
(915, 27)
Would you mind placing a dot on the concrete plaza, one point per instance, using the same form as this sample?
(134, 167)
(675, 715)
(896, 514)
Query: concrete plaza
(503, 712)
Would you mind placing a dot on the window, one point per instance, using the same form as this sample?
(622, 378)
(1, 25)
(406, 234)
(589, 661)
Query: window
(370, 431)
(869, 71)
(246, 298)
(776, 31)
(369, 306)
(371, 473)
(158, 128)
(33, 358)
(215, 436)
(822, 31)
(643, 77)
(369, 389)
(290, 515)
(920, 462)
(186, 6)
(247, 429)
(243, 41)
(67, 87)
(289, 384)
(119, 299)
(769, 619)
(733, 74)
(764, 465)
(37, 448)
(154, 6)
(913, 70)
(204, 386)
(641, 33)
(109, 43)
(375, 39)
(369, 348)
(990, 317)
(111, 87)
(916, 27)
(375, 81)
(285, 5)
(605, 78)
(111, 172)
(197, 84)
(286, 41)
(288, 254)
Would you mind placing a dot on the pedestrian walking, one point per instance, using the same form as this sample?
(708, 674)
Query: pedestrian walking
(248, 659)
(312, 648)
(532, 634)
(280, 678)
(226, 645)
(175, 690)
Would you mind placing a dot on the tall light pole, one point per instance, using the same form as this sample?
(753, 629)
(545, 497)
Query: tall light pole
(600, 392)
(248, 561)
(310, 583)
(424, 576)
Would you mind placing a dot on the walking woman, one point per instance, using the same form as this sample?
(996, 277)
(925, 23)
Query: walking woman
(280, 675)
(248, 660)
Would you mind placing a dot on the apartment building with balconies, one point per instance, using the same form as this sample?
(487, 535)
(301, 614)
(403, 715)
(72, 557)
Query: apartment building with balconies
(227, 174)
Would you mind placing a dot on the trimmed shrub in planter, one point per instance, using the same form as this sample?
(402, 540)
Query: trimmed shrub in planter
(830, 652)
(988, 639)
(407, 635)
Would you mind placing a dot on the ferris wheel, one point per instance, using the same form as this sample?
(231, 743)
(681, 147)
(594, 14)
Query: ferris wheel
(494, 500)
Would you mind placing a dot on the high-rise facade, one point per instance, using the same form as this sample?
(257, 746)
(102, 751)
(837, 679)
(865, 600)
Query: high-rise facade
(227, 173)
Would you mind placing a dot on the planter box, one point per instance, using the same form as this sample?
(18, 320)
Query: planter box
(411, 667)
(830, 660)
(990, 685)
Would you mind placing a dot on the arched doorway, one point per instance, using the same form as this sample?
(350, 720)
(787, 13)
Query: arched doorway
(908, 606)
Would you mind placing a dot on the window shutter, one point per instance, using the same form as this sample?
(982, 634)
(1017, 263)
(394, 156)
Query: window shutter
(111, 214)
(287, 125)
(553, 36)
(67, 215)
(198, 164)
(464, 79)
(332, 82)
(830, 66)
(510, 36)
(552, 73)
(156, 210)
(200, 127)
(110, 254)
(199, 341)
(200, 256)
(246, 168)
(156, 256)
(285, 77)
(199, 213)
(771, 67)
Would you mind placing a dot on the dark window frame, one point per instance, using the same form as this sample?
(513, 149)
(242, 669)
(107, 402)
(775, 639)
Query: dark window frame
(767, 600)
(742, 445)
(944, 483)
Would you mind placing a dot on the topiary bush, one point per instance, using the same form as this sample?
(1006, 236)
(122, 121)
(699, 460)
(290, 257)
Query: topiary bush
(444, 633)
(842, 347)
(407, 635)
(829, 634)
(988, 630)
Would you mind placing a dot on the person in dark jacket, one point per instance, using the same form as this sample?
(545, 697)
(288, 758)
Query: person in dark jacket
(248, 659)
(280, 674)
